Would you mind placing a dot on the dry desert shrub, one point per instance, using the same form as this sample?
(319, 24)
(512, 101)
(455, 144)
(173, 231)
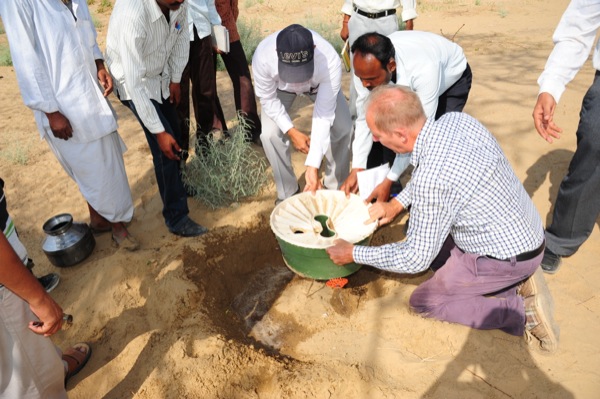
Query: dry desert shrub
(228, 170)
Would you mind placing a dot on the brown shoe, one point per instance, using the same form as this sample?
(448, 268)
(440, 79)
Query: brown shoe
(539, 309)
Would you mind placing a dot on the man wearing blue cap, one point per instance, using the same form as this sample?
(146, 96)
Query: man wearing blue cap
(297, 61)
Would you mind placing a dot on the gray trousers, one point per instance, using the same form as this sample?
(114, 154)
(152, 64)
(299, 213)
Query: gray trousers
(30, 365)
(277, 147)
(578, 202)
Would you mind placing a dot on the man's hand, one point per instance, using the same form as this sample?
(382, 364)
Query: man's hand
(104, 78)
(341, 252)
(344, 33)
(300, 141)
(313, 183)
(543, 117)
(60, 125)
(50, 315)
(409, 25)
(384, 212)
(167, 143)
(175, 93)
(381, 193)
(351, 183)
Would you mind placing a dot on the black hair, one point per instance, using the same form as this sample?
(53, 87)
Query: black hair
(376, 44)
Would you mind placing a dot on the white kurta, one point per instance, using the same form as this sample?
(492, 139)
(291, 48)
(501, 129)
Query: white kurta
(54, 53)
(54, 58)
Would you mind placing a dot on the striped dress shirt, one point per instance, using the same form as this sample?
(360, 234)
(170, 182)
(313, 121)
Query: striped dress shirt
(145, 53)
(462, 185)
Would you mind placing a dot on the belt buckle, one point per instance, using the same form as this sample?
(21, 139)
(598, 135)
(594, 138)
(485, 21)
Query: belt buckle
(371, 15)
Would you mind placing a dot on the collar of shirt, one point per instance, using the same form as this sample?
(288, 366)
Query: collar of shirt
(155, 11)
(421, 141)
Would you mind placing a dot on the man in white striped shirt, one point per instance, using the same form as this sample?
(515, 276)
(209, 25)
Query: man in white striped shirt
(469, 209)
(147, 49)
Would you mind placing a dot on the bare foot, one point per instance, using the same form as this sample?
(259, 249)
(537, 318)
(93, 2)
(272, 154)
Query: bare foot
(122, 238)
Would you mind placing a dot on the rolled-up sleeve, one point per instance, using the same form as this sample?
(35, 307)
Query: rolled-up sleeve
(347, 7)
(409, 10)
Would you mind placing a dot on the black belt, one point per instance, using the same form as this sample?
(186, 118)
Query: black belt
(374, 15)
(526, 255)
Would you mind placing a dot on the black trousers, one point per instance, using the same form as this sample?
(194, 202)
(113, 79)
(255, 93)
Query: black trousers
(243, 91)
(577, 206)
(168, 175)
(200, 70)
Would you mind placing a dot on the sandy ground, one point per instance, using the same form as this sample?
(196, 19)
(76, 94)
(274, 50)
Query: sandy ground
(222, 317)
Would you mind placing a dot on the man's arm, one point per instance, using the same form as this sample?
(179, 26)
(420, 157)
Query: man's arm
(265, 86)
(573, 38)
(31, 70)
(409, 13)
(346, 13)
(323, 114)
(17, 278)
(362, 141)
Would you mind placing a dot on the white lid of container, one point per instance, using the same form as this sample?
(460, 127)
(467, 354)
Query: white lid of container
(293, 220)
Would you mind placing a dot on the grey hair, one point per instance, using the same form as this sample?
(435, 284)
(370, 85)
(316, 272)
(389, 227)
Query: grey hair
(392, 106)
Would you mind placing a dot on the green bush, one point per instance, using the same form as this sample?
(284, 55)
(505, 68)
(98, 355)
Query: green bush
(97, 23)
(5, 58)
(16, 153)
(105, 5)
(227, 171)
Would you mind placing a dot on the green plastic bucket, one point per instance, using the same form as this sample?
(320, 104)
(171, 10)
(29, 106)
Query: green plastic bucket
(306, 225)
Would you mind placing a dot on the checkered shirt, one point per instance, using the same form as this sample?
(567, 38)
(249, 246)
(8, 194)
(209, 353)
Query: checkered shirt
(462, 185)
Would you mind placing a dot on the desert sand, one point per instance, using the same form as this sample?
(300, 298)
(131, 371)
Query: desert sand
(222, 317)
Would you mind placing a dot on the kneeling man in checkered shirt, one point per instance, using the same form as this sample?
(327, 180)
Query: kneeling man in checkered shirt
(471, 220)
